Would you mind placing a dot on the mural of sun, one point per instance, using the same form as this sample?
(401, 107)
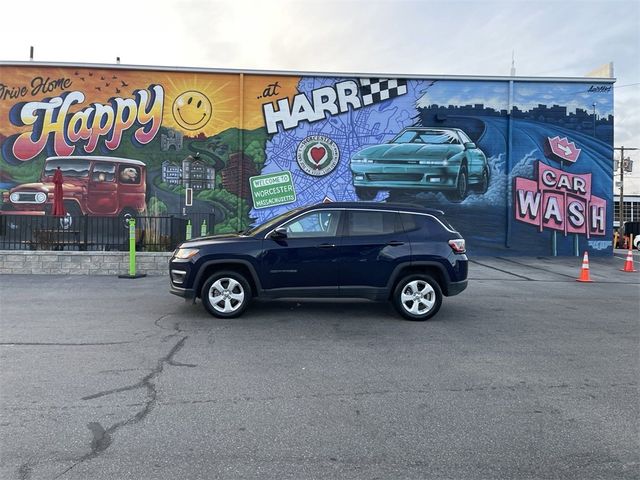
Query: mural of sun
(194, 103)
(206, 104)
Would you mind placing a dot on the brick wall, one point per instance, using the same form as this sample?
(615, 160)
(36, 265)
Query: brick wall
(82, 263)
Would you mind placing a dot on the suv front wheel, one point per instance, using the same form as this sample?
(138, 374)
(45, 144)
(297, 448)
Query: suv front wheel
(417, 297)
(226, 294)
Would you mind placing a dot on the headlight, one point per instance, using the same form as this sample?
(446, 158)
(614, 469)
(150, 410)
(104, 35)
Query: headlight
(361, 160)
(185, 253)
(14, 197)
(434, 163)
(41, 197)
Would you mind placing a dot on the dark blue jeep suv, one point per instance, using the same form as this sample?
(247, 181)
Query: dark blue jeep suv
(380, 251)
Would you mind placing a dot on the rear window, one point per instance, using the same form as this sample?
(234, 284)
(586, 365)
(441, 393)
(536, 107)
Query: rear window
(446, 224)
(432, 225)
(367, 222)
(70, 167)
(103, 172)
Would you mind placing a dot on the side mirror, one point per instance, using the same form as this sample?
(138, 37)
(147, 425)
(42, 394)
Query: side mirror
(278, 233)
(469, 145)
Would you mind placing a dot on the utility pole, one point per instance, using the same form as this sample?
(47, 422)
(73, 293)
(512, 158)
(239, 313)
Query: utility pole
(621, 209)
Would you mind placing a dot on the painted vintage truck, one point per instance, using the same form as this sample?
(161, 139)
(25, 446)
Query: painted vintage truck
(93, 185)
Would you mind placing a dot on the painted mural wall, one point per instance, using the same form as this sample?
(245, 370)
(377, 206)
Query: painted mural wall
(519, 167)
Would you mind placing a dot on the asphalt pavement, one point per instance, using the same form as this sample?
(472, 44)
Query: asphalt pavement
(527, 374)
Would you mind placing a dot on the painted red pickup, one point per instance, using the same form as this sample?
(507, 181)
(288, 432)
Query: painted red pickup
(92, 185)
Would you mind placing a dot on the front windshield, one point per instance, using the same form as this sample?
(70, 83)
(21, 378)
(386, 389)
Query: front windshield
(431, 137)
(269, 224)
(70, 167)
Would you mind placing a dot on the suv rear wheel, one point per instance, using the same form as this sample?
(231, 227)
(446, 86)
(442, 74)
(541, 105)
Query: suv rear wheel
(226, 294)
(417, 297)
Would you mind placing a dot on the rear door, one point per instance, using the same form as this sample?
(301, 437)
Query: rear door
(374, 243)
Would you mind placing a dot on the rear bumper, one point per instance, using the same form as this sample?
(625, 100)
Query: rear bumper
(454, 288)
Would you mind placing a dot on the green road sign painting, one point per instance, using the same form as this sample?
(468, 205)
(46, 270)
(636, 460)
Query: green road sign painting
(272, 189)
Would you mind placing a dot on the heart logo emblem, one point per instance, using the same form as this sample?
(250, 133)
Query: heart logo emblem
(317, 154)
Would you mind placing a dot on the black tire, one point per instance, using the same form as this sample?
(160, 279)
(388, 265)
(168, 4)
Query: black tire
(365, 193)
(462, 186)
(74, 212)
(232, 291)
(483, 184)
(417, 297)
(125, 214)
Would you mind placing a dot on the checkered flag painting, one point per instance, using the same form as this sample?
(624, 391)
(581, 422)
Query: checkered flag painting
(374, 90)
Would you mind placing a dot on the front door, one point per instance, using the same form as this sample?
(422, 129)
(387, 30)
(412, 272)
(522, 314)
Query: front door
(305, 261)
(102, 198)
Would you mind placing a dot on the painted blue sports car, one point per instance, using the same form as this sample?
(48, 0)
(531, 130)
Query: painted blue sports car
(434, 159)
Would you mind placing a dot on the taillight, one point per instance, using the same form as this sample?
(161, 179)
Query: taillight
(457, 245)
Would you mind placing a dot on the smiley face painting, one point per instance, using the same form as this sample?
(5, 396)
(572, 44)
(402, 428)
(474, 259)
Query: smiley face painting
(192, 110)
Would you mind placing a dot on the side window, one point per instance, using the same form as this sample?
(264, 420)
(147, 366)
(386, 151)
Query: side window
(129, 174)
(319, 223)
(372, 223)
(465, 138)
(410, 222)
(103, 172)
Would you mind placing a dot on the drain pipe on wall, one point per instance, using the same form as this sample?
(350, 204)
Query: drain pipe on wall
(509, 189)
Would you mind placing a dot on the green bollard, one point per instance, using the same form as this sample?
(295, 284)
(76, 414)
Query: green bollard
(188, 235)
(203, 229)
(132, 252)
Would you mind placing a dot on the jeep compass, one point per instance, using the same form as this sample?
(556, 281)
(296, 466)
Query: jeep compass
(405, 254)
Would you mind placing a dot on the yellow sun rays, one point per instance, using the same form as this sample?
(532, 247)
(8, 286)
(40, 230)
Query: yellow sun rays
(186, 109)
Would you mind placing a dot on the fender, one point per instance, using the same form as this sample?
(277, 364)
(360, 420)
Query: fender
(426, 263)
(197, 283)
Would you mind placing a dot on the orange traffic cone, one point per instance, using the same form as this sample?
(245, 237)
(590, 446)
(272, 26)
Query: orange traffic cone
(628, 264)
(584, 271)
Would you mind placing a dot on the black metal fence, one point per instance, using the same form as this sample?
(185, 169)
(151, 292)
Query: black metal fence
(153, 234)
(201, 223)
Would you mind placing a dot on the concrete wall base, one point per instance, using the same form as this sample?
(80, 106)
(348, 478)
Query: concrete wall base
(81, 263)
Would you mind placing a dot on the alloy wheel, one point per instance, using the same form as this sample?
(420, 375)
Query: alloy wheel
(226, 295)
(418, 297)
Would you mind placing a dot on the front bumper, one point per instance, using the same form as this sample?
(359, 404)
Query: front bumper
(180, 272)
(423, 177)
(37, 213)
(182, 292)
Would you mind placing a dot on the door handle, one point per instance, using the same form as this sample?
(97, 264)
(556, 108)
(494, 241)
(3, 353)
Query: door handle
(395, 243)
(326, 245)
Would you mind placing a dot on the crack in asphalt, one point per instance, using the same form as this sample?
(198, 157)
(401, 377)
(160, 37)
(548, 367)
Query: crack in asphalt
(501, 270)
(534, 267)
(176, 325)
(25, 470)
(583, 387)
(102, 437)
